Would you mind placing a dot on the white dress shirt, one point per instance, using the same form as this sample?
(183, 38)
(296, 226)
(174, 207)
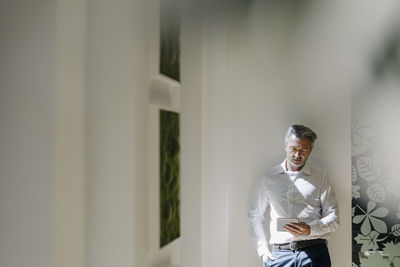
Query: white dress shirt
(305, 194)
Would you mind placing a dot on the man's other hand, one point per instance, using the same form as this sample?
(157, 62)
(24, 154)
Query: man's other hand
(267, 255)
(298, 229)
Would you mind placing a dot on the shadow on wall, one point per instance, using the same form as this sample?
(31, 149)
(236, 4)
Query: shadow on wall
(217, 9)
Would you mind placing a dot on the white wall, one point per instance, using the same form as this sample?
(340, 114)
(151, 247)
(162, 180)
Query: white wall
(42, 165)
(69, 135)
(51, 101)
(27, 80)
(116, 104)
(274, 85)
(192, 192)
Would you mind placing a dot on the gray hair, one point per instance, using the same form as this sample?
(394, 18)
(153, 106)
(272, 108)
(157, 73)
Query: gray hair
(301, 131)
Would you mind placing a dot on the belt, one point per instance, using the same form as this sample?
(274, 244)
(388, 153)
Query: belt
(296, 245)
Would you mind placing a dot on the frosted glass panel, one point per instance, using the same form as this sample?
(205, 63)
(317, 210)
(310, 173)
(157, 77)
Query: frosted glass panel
(376, 163)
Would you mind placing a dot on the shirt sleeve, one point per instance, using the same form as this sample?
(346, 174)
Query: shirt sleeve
(329, 221)
(258, 204)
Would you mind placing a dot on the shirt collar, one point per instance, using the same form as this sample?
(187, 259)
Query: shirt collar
(282, 168)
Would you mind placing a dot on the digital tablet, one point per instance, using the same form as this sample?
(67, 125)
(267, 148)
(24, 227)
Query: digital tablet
(283, 221)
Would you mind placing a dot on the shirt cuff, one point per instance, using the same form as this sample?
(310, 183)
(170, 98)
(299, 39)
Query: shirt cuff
(314, 227)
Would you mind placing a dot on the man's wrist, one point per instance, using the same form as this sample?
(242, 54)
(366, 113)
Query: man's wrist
(309, 229)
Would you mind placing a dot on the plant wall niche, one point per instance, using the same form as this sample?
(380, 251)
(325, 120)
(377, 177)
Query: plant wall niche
(169, 177)
(169, 39)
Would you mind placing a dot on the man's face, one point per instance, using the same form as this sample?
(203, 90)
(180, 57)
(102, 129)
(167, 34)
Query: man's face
(297, 151)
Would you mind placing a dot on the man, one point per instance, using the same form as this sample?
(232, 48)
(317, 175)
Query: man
(302, 209)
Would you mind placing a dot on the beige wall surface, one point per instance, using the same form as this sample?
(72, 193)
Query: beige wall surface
(115, 115)
(51, 103)
(27, 82)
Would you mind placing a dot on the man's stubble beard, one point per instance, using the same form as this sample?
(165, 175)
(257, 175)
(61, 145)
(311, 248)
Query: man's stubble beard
(291, 163)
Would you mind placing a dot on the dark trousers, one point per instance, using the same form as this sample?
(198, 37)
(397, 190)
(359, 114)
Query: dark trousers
(315, 256)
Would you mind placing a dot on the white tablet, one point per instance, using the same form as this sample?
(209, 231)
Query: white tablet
(283, 221)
